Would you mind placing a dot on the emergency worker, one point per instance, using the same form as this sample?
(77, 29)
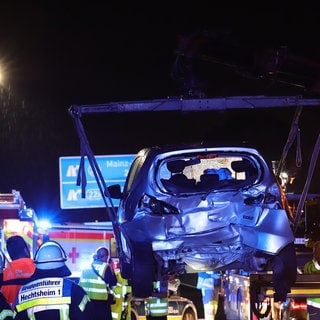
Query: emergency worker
(121, 309)
(157, 304)
(209, 283)
(98, 281)
(21, 266)
(313, 266)
(6, 312)
(49, 294)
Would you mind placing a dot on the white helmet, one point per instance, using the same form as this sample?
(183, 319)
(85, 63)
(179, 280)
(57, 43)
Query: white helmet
(50, 255)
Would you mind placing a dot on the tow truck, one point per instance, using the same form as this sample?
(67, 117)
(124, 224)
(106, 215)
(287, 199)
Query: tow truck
(201, 104)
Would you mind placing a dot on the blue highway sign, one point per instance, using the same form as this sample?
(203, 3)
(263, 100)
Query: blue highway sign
(113, 167)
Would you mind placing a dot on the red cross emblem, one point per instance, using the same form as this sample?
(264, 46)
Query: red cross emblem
(73, 255)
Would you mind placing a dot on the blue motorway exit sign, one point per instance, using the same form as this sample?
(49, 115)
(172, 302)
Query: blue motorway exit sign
(114, 169)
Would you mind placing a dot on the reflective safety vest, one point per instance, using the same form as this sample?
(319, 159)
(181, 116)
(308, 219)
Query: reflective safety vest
(312, 267)
(45, 294)
(121, 309)
(156, 307)
(95, 286)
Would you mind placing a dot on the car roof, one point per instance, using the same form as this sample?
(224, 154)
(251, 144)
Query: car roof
(155, 150)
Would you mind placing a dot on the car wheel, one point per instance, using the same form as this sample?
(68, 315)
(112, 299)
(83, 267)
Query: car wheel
(284, 267)
(143, 270)
(189, 315)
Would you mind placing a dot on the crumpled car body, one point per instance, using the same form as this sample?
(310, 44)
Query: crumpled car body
(195, 208)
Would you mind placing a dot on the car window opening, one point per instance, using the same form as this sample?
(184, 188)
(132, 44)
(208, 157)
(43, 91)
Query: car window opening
(206, 172)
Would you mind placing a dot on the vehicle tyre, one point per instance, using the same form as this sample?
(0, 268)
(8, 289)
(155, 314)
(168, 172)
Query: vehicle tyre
(189, 315)
(125, 265)
(143, 272)
(284, 267)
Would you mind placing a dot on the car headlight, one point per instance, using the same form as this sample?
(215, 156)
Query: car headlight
(157, 207)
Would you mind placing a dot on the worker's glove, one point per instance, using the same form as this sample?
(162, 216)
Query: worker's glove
(173, 285)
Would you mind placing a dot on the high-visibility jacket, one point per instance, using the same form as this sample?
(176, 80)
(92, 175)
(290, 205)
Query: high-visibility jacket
(53, 297)
(93, 284)
(121, 309)
(20, 268)
(156, 306)
(312, 267)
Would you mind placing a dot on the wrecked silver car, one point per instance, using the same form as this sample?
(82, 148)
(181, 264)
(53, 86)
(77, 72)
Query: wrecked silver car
(190, 209)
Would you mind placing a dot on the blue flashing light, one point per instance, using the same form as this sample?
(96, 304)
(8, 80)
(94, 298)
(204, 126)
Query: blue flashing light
(43, 226)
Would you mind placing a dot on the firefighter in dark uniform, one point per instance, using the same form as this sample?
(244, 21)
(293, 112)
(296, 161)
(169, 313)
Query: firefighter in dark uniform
(49, 294)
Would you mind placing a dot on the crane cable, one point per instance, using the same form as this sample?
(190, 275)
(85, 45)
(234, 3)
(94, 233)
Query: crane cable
(293, 134)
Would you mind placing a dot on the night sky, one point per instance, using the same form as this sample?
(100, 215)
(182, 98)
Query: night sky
(57, 54)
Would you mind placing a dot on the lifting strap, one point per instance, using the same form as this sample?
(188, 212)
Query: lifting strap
(293, 134)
